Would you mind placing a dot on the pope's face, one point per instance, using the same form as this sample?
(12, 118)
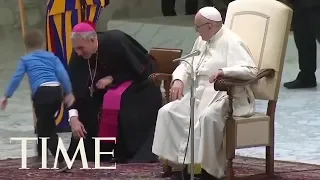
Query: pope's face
(204, 31)
(202, 26)
(84, 47)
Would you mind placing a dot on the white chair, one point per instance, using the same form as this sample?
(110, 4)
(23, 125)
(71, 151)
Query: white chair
(264, 25)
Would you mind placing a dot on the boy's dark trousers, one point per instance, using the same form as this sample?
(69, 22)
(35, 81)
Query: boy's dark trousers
(46, 103)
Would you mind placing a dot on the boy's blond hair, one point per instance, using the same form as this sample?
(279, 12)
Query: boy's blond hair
(34, 39)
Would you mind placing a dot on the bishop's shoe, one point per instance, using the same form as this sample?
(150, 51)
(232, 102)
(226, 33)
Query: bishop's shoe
(119, 160)
(183, 175)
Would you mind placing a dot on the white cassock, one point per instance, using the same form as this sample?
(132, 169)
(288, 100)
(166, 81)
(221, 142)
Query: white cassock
(224, 51)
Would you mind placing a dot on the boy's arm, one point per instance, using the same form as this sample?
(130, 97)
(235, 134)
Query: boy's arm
(63, 76)
(16, 79)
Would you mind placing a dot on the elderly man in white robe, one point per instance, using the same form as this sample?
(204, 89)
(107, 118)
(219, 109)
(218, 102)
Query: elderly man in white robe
(223, 54)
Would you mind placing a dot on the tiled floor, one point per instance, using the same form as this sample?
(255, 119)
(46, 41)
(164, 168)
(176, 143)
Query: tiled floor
(297, 116)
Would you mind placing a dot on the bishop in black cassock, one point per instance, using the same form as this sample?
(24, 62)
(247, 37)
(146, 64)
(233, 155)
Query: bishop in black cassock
(118, 58)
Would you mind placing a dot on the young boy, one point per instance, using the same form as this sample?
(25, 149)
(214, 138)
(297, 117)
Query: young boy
(46, 75)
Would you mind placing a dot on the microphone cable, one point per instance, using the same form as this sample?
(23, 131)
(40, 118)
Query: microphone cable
(185, 154)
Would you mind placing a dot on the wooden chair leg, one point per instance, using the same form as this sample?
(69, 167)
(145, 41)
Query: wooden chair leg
(270, 160)
(230, 171)
(270, 149)
(166, 86)
(167, 171)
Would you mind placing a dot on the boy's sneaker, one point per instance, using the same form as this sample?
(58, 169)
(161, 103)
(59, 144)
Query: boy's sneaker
(63, 167)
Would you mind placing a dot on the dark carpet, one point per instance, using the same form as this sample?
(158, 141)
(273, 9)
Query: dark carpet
(245, 168)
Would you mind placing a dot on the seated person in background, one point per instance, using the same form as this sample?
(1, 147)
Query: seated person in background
(108, 69)
(223, 54)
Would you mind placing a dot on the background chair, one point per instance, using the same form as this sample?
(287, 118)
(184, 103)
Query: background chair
(164, 59)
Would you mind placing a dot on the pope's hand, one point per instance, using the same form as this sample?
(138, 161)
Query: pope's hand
(176, 91)
(218, 75)
(77, 128)
(102, 83)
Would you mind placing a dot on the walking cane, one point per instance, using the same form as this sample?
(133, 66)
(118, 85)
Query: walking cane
(22, 17)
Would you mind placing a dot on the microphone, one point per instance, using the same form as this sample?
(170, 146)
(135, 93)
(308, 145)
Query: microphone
(192, 104)
(192, 54)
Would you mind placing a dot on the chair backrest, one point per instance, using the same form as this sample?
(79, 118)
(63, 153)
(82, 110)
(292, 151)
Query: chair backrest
(264, 25)
(164, 59)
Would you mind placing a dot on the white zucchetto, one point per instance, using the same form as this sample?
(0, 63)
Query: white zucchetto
(210, 13)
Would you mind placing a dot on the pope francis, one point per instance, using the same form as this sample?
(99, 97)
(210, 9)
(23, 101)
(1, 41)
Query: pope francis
(223, 54)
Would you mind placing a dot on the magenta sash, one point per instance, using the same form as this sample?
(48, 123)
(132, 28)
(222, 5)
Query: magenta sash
(110, 111)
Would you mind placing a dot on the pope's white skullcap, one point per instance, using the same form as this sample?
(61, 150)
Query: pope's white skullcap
(210, 13)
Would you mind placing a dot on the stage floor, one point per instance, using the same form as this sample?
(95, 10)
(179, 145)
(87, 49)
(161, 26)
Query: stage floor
(297, 116)
(245, 169)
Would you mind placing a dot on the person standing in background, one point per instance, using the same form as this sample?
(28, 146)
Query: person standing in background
(192, 6)
(168, 7)
(221, 5)
(306, 31)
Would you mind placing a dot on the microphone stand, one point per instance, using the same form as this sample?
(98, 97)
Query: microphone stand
(192, 103)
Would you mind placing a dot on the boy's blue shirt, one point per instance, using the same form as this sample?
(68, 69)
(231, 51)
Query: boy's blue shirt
(41, 67)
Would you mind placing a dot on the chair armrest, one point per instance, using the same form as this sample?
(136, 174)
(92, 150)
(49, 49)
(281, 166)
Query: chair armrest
(225, 84)
(157, 78)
